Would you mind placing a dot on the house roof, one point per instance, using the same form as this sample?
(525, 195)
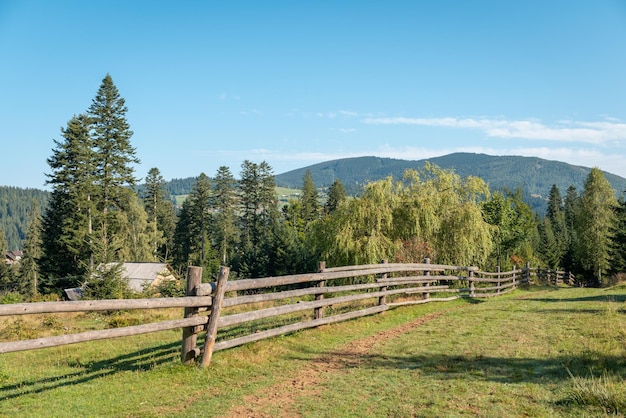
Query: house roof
(140, 274)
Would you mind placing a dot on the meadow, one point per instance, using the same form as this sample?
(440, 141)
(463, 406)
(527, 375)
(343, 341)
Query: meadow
(543, 351)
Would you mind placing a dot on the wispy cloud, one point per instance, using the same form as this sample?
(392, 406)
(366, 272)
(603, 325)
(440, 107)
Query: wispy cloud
(571, 131)
(347, 130)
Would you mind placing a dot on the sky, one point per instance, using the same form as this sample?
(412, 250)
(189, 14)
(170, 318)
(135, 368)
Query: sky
(294, 83)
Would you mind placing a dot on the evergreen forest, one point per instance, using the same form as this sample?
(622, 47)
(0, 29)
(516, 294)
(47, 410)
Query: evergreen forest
(96, 216)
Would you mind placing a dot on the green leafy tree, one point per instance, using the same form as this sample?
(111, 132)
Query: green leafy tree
(432, 212)
(29, 265)
(514, 228)
(595, 223)
(114, 171)
(135, 233)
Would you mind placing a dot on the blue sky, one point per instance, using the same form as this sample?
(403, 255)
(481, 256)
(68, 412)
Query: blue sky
(212, 83)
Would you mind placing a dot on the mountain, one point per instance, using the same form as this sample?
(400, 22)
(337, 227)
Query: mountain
(534, 176)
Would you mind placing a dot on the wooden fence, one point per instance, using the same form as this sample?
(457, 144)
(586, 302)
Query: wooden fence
(255, 309)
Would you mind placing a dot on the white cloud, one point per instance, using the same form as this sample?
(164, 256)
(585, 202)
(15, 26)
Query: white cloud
(570, 131)
(347, 130)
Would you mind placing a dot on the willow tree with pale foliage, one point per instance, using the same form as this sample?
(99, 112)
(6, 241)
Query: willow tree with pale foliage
(430, 213)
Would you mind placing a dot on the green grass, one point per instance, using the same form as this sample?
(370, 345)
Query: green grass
(541, 352)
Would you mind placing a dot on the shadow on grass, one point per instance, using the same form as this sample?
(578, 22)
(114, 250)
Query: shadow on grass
(141, 360)
(495, 369)
(598, 298)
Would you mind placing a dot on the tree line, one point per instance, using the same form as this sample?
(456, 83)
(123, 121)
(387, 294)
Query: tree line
(97, 216)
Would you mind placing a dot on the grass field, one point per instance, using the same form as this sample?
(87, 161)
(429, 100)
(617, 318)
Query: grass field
(544, 352)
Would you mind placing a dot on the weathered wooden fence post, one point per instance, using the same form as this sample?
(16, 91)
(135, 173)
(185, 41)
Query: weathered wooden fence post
(528, 273)
(216, 308)
(514, 277)
(472, 285)
(382, 300)
(498, 283)
(426, 295)
(189, 350)
(319, 312)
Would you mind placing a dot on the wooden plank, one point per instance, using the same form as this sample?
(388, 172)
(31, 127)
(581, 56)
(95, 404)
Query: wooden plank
(215, 314)
(102, 305)
(222, 345)
(287, 309)
(12, 346)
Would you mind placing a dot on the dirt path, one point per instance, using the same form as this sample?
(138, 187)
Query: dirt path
(307, 382)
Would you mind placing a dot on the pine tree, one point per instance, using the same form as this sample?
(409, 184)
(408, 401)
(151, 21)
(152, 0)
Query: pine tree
(310, 206)
(595, 224)
(67, 223)
(336, 195)
(618, 247)
(556, 216)
(161, 214)
(258, 219)
(114, 171)
(570, 207)
(200, 203)
(29, 265)
(223, 203)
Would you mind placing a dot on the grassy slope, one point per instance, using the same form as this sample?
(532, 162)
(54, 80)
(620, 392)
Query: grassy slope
(502, 357)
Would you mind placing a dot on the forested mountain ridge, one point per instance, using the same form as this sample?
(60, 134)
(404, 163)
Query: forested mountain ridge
(534, 176)
(15, 206)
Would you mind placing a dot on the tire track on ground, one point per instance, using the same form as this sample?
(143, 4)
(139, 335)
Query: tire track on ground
(309, 378)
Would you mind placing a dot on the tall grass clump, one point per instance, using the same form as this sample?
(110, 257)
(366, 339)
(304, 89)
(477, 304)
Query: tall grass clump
(607, 392)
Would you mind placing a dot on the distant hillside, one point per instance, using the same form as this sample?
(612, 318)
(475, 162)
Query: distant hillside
(535, 176)
(15, 206)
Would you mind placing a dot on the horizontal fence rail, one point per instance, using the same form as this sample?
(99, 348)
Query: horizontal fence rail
(249, 310)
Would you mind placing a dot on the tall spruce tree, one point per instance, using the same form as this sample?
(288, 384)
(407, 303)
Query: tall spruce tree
(595, 225)
(556, 216)
(310, 206)
(336, 195)
(67, 222)
(161, 214)
(223, 203)
(258, 219)
(618, 254)
(114, 170)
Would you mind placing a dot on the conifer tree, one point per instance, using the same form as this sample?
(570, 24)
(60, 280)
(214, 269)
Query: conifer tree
(223, 203)
(67, 223)
(595, 224)
(114, 171)
(258, 219)
(336, 195)
(310, 206)
(29, 265)
(161, 214)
